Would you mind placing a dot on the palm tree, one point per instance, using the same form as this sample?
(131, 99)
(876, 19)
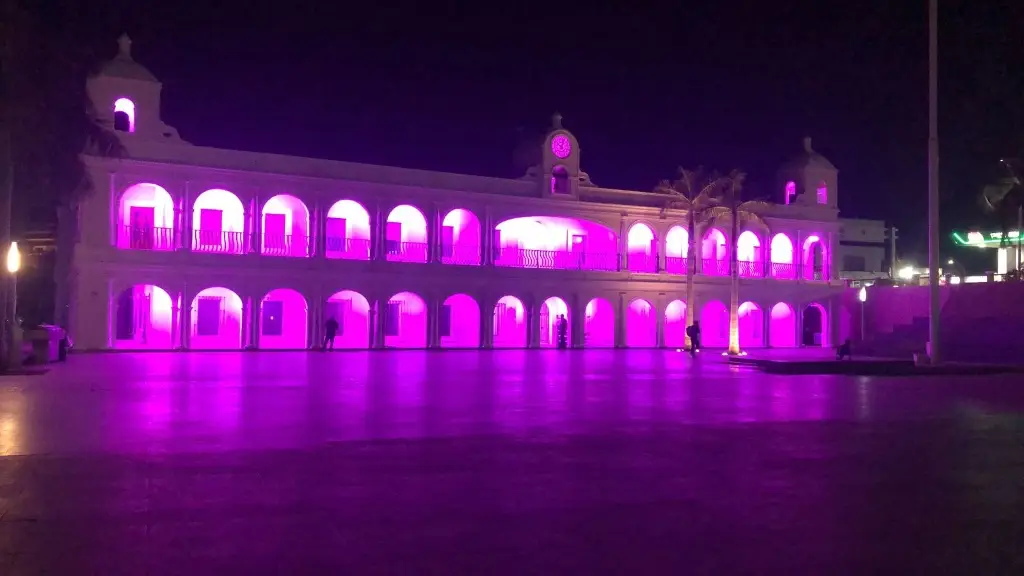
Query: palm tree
(46, 122)
(696, 192)
(730, 204)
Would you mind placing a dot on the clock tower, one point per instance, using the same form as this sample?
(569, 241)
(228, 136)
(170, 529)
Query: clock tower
(560, 162)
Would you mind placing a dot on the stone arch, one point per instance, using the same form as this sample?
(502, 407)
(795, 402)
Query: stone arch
(145, 318)
(284, 320)
(460, 238)
(145, 218)
(348, 231)
(218, 223)
(599, 324)
(216, 320)
(459, 323)
(406, 234)
(641, 248)
(285, 227)
(351, 310)
(641, 324)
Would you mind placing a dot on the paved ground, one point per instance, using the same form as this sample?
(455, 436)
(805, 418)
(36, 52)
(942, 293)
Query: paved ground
(497, 463)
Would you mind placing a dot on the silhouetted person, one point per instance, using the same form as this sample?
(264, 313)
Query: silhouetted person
(563, 330)
(693, 331)
(331, 330)
(844, 351)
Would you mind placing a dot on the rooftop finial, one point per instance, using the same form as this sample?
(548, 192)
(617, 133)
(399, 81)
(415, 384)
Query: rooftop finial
(556, 121)
(807, 145)
(124, 46)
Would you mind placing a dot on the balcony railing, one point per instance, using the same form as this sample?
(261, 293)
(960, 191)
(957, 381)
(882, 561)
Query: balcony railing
(783, 270)
(146, 238)
(293, 245)
(406, 251)
(751, 269)
(342, 248)
(639, 262)
(715, 267)
(675, 265)
(219, 242)
(550, 259)
(814, 273)
(460, 255)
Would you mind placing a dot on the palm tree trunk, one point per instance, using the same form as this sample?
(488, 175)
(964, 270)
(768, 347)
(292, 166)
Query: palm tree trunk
(691, 264)
(734, 292)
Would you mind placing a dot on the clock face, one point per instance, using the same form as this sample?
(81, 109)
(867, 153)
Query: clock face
(561, 146)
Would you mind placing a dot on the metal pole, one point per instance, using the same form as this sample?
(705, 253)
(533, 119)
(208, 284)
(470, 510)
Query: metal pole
(862, 335)
(892, 253)
(14, 352)
(933, 181)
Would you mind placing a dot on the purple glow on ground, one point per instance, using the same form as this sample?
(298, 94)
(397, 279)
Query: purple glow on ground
(216, 320)
(509, 323)
(460, 238)
(815, 259)
(405, 322)
(813, 326)
(218, 223)
(463, 322)
(150, 317)
(675, 324)
(127, 107)
(782, 327)
(715, 252)
(641, 325)
(348, 231)
(642, 250)
(714, 325)
(751, 320)
(283, 320)
(599, 324)
(406, 234)
(285, 227)
(145, 218)
(551, 242)
(549, 312)
(782, 257)
(352, 312)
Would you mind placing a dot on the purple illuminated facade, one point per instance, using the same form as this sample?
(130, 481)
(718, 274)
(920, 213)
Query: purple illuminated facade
(188, 247)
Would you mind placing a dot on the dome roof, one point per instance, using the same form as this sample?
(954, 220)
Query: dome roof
(808, 159)
(123, 66)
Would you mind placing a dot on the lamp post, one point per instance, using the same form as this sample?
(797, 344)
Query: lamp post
(934, 354)
(863, 297)
(13, 265)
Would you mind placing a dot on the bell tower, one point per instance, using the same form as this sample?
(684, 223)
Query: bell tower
(809, 179)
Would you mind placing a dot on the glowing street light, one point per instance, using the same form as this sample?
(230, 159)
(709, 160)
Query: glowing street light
(13, 265)
(905, 273)
(862, 295)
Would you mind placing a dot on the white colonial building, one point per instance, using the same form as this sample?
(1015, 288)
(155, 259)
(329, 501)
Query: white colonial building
(188, 247)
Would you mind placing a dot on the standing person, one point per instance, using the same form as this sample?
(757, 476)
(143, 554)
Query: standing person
(331, 330)
(693, 331)
(563, 328)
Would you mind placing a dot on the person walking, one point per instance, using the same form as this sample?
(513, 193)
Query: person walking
(330, 331)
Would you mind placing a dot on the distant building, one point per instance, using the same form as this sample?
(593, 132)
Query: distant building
(862, 249)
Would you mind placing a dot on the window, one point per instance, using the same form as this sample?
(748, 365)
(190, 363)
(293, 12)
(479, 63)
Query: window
(822, 193)
(790, 192)
(559, 181)
(854, 263)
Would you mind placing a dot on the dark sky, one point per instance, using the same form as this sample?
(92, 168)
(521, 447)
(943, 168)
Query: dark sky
(445, 85)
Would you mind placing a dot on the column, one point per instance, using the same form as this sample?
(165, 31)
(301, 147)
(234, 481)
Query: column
(766, 256)
(246, 231)
(433, 314)
(798, 256)
(799, 308)
(533, 331)
(623, 246)
(577, 319)
(313, 320)
(832, 270)
(175, 322)
(371, 327)
(319, 226)
(660, 265)
(432, 235)
(486, 323)
(185, 234)
(381, 323)
(487, 239)
(186, 317)
(767, 320)
(377, 233)
(660, 320)
(620, 321)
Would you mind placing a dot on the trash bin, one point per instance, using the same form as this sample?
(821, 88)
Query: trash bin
(46, 341)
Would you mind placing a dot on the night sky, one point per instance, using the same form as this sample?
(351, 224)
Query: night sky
(449, 86)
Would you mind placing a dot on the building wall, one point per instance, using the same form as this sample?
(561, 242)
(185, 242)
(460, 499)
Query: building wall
(862, 249)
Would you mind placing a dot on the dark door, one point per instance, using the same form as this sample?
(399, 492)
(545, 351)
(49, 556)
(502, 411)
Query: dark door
(126, 315)
(208, 316)
(273, 311)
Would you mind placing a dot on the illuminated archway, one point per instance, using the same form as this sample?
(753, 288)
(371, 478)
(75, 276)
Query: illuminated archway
(459, 324)
(216, 320)
(782, 326)
(144, 319)
(348, 231)
(351, 311)
(715, 253)
(558, 243)
(509, 323)
(405, 321)
(124, 115)
(284, 320)
(751, 320)
(553, 312)
(218, 223)
(714, 325)
(783, 265)
(641, 324)
(676, 248)
(641, 248)
(675, 324)
(285, 227)
(145, 219)
(815, 322)
(748, 254)
(599, 324)
(815, 259)
(460, 238)
(406, 235)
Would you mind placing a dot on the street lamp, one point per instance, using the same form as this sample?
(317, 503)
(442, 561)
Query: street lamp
(13, 265)
(863, 297)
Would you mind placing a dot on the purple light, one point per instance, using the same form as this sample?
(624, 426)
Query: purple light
(676, 242)
(218, 223)
(406, 235)
(460, 238)
(642, 250)
(815, 258)
(283, 320)
(641, 325)
(714, 246)
(675, 324)
(216, 320)
(351, 310)
(285, 227)
(751, 324)
(145, 319)
(127, 108)
(822, 193)
(405, 321)
(551, 309)
(552, 242)
(815, 324)
(348, 231)
(561, 146)
(714, 325)
(509, 323)
(145, 218)
(599, 324)
(782, 328)
(790, 192)
(462, 323)
(748, 247)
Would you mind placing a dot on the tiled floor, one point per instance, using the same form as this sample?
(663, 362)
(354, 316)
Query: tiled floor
(597, 462)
